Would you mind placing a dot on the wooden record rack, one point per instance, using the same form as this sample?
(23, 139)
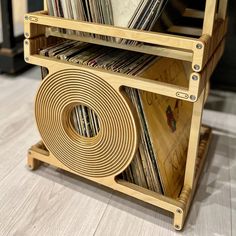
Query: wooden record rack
(202, 52)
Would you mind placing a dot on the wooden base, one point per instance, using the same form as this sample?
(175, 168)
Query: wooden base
(179, 207)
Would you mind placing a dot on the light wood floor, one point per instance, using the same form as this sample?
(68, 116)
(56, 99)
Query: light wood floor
(50, 202)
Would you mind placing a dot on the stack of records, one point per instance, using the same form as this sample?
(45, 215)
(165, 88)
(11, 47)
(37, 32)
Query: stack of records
(133, 14)
(164, 122)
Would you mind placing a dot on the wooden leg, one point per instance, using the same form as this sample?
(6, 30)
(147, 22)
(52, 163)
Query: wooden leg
(33, 164)
(179, 218)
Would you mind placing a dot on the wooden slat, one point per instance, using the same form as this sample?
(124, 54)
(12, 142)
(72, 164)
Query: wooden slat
(185, 30)
(148, 49)
(167, 40)
(117, 79)
(193, 13)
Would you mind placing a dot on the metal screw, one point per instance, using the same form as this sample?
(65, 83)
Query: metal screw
(196, 67)
(199, 46)
(27, 59)
(26, 42)
(177, 227)
(26, 17)
(179, 211)
(26, 34)
(193, 98)
(195, 77)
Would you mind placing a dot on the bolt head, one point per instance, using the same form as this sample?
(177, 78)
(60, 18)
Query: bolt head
(26, 59)
(199, 46)
(195, 77)
(177, 227)
(26, 17)
(196, 67)
(193, 98)
(179, 211)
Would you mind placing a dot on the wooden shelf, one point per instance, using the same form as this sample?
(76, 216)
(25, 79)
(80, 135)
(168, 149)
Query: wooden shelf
(143, 48)
(196, 50)
(197, 81)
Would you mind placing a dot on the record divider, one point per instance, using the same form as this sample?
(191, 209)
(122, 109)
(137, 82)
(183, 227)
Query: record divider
(204, 53)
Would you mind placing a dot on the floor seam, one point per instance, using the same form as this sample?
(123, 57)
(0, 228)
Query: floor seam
(99, 222)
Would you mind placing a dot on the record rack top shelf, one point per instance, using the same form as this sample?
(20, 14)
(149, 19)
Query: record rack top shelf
(200, 51)
(171, 44)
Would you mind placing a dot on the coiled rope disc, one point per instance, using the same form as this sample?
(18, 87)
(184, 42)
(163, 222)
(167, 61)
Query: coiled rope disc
(112, 149)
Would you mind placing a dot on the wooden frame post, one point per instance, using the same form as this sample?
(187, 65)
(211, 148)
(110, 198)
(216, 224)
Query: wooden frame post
(222, 11)
(194, 140)
(209, 19)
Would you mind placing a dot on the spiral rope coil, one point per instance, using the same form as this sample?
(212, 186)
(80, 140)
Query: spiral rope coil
(112, 149)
